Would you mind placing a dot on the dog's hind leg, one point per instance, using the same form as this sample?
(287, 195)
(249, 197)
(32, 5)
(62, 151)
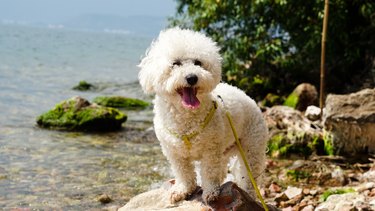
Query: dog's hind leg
(213, 172)
(256, 158)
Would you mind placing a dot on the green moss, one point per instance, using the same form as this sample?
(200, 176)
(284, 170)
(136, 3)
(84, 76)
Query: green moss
(328, 193)
(274, 145)
(291, 100)
(297, 175)
(78, 114)
(285, 150)
(271, 100)
(83, 86)
(121, 102)
(328, 144)
(317, 145)
(282, 145)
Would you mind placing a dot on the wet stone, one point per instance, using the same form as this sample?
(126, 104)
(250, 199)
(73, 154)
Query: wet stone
(79, 114)
(104, 199)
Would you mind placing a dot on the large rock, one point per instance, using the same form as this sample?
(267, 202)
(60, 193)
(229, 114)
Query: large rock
(302, 96)
(79, 114)
(83, 86)
(231, 198)
(350, 119)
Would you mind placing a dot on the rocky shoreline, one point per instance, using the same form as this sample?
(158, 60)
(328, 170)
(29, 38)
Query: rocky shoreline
(310, 164)
(308, 184)
(308, 167)
(317, 183)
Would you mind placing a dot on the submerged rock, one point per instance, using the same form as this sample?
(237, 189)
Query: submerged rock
(104, 199)
(350, 119)
(231, 198)
(83, 86)
(79, 114)
(121, 102)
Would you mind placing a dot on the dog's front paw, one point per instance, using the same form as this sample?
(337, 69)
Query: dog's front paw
(211, 195)
(178, 192)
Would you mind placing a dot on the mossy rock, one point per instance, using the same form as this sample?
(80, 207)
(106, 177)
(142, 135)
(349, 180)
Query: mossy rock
(285, 145)
(293, 134)
(121, 102)
(84, 86)
(302, 145)
(302, 96)
(79, 114)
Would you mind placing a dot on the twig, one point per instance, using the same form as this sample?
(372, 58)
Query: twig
(322, 58)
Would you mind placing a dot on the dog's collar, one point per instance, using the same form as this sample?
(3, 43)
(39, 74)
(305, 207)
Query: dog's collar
(187, 137)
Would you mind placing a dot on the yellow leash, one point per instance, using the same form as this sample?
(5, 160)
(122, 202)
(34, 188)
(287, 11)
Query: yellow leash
(245, 161)
(187, 137)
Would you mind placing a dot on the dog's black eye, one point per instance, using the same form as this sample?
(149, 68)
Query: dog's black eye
(177, 63)
(198, 63)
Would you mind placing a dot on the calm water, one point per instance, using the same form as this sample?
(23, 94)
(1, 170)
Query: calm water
(43, 169)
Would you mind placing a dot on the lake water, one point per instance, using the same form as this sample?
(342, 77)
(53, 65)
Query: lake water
(45, 169)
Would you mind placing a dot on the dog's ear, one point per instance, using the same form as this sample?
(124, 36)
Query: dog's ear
(152, 67)
(146, 75)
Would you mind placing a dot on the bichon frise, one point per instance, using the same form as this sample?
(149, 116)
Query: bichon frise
(183, 69)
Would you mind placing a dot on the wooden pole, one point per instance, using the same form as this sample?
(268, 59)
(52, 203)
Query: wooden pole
(322, 57)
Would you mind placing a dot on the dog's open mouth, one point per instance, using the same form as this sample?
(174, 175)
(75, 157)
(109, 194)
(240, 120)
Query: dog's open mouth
(189, 97)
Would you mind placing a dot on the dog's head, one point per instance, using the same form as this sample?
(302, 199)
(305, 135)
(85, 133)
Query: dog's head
(181, 64)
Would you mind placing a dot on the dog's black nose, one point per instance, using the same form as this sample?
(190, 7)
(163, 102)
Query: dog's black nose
(192, 79)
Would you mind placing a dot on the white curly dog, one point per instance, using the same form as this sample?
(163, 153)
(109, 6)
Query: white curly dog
(183, 69)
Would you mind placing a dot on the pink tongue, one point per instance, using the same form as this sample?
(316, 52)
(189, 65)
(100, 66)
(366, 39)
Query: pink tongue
(189, 98)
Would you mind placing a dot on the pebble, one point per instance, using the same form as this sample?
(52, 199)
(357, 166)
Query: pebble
(368, 176)
(292, 192)
(288, 209)
(274, 188)
(306, 191)
(104, 199)
(281, 197)
(365, 186)
(339, 175)
(312, 113)
(314, 192)
(308, 208)
(372, 203)
(112, 208)
(372, 193)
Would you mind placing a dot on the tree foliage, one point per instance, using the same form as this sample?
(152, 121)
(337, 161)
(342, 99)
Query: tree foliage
(272, 45)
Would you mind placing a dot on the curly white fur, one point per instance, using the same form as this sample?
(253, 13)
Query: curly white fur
(183, 69)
